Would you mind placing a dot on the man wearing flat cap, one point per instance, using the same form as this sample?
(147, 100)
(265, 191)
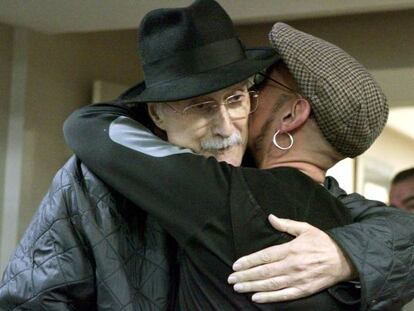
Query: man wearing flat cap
(344, 111)
(195, 84)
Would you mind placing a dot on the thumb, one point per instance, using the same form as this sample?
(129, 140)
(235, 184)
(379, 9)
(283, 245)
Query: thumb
(287, 225)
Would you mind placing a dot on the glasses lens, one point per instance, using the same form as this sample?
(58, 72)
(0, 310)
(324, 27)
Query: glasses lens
(236, 106)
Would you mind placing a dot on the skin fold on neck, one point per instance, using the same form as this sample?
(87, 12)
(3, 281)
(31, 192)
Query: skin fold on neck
(310, 153)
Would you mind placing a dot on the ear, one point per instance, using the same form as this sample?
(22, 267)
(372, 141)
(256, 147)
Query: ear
(296, 116)
(156, 114)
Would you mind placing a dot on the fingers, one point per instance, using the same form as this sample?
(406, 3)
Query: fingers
(259, 273)
(284, 288)
(278, 296)
(293, 270)
(270, 284)
(273, 253)
(267, 255)
(289, 226)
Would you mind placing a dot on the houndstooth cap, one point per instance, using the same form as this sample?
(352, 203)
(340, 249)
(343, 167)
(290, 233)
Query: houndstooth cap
(349, 106)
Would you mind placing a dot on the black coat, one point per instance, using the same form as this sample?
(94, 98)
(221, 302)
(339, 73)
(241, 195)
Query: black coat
(86, 250)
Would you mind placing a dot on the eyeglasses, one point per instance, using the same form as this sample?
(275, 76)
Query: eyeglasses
(236, 104)
(261, 77)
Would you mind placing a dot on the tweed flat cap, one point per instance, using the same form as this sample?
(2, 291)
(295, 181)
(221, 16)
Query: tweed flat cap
(349, 107)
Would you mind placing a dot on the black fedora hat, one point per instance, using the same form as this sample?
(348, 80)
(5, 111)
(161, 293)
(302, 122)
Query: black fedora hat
(191, 51)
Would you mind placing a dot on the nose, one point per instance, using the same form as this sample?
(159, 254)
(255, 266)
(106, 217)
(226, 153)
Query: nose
(222, 122)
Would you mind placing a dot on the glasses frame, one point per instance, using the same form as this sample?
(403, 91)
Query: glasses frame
(266, 77)
(252, 94)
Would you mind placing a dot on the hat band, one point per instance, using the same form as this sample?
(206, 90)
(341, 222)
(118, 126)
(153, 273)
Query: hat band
(194, 61)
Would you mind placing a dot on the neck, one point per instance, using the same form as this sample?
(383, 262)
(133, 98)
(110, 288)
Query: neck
(310, 153)
(312, 159)
(312, 170)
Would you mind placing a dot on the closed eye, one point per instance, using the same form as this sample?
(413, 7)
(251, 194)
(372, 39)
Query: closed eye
(201, 107)
(235, 99)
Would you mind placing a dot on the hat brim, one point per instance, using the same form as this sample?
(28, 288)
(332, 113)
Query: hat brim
(205, 82)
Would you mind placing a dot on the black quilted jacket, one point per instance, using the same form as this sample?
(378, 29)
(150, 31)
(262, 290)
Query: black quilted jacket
(84, 250)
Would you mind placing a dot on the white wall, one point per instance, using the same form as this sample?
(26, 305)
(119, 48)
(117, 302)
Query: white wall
(395, 149)
(61, 72)
(391, 153)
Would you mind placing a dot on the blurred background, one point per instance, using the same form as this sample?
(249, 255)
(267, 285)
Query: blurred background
(56, 56)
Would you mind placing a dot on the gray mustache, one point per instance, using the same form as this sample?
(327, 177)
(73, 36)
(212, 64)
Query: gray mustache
(221, 143)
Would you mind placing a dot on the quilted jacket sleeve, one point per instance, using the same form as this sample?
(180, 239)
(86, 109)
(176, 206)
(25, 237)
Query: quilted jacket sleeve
(380, 244)
(38, 276)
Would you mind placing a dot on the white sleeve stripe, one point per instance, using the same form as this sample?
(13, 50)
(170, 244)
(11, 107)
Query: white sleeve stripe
(131, 134)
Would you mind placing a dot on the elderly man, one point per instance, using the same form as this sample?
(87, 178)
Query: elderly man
(86, 250)
(402, 190)
(170, 114)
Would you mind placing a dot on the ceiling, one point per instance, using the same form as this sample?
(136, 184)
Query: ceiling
(60, 16)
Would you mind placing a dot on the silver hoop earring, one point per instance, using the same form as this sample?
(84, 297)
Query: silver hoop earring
(279, 146)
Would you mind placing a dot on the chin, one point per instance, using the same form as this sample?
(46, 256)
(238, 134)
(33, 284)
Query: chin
(232, 155)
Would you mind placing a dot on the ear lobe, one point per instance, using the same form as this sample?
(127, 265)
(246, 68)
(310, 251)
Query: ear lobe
(155, 114)
(297, 115)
